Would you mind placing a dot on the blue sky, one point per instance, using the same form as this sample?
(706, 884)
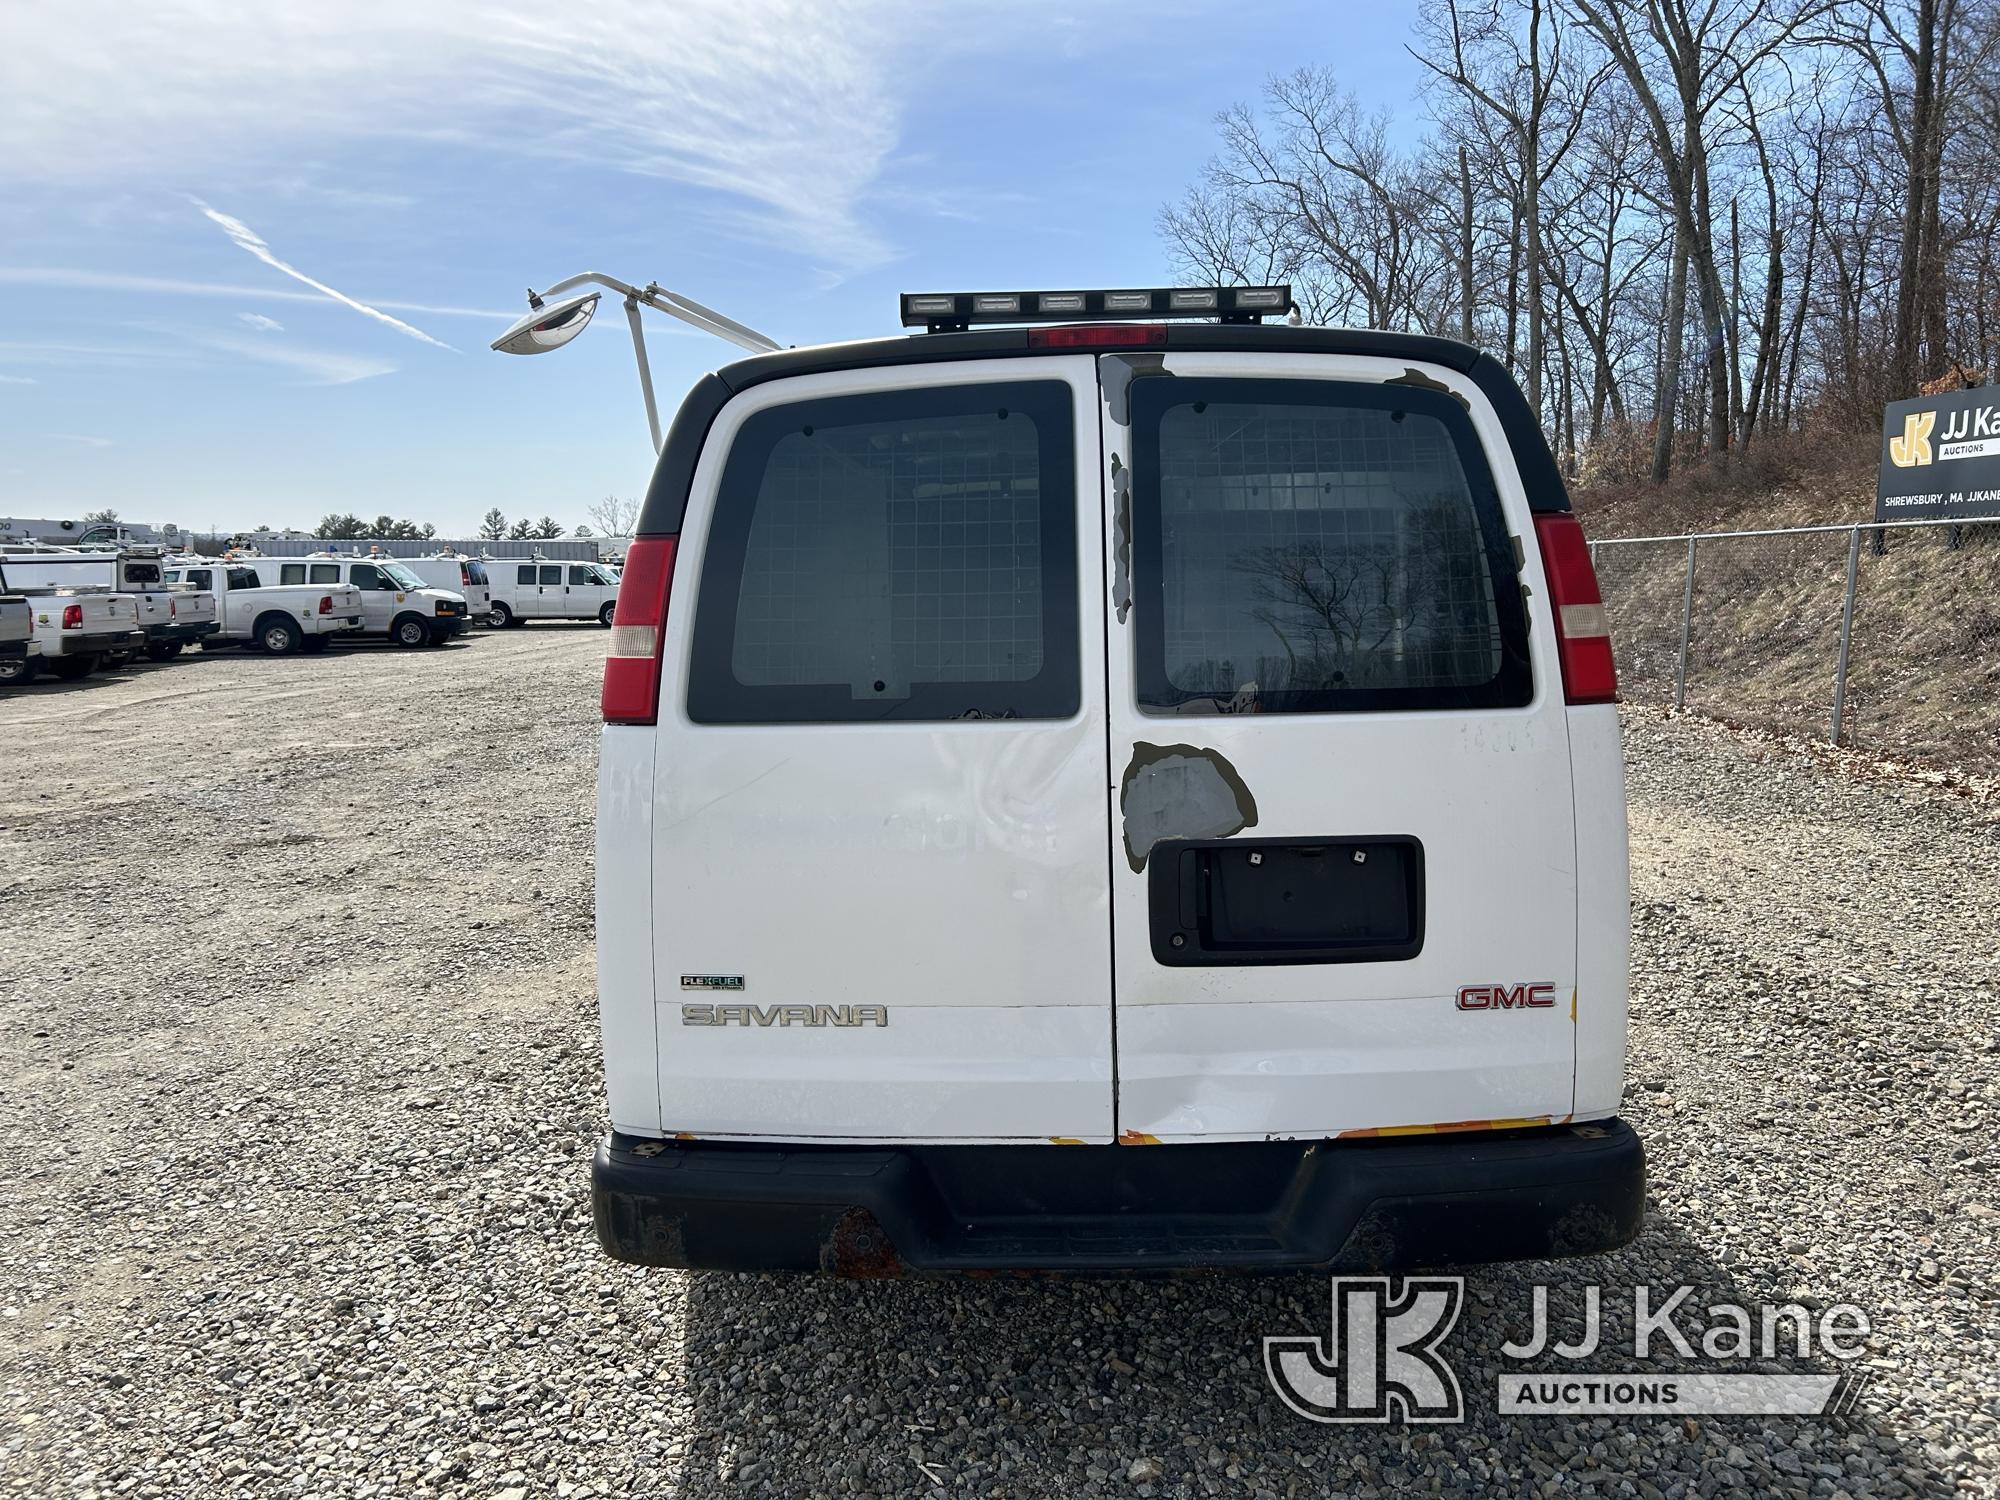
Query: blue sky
(795, 163)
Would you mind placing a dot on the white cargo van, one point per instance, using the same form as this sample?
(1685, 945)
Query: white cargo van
(1108, 797)
(461, 575)
(537, 589)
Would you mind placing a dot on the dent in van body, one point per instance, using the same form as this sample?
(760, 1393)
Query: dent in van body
(1180, 792)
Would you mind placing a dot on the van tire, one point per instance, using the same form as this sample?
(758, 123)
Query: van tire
(499, 616)
(74, 668)
(604, 615)
(16, 670)
(312, 645)
(410, 631)
(163, 650)
(277, 635)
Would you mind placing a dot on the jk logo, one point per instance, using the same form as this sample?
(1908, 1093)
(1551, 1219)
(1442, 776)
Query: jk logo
(1913, 448)
(1381, 1363)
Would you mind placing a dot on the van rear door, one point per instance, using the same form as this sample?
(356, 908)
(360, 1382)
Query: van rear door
(1343, 884)
(878, 887)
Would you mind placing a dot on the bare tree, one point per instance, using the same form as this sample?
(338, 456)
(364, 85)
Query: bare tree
(1521, 77)
(1686, 224)
(613, 515)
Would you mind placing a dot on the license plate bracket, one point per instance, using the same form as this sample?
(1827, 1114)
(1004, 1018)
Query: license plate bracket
(1286, 901)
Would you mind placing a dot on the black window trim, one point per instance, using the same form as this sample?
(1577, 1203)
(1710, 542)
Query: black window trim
(673, 472)
(714, 696)
(1511, 687)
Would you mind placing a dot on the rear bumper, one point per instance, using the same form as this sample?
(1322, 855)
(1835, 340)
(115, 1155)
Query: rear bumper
(82, 643)
(1374, 1205)
(184, 634)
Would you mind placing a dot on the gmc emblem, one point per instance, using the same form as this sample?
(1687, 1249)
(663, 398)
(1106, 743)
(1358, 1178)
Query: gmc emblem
(1507, 997)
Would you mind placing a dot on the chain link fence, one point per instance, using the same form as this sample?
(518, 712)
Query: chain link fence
(1884, 638)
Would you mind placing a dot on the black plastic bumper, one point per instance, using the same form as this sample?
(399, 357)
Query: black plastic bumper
(74, 644)
(1363, 1205)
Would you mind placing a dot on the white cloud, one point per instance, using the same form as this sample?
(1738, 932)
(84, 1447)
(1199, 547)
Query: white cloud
(261, 323)
(789, 105)
(248, 239)
(83, 439)
(66, 278)
(319, 366)
(62, 352)
(18, 380)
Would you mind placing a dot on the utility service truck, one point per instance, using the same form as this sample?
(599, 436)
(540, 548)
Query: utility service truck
(173, 616)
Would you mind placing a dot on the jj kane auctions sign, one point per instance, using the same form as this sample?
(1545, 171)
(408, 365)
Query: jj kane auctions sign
(1940, 457)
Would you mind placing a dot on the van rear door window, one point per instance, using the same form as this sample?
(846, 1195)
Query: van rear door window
(900, 555)
(1318, 546)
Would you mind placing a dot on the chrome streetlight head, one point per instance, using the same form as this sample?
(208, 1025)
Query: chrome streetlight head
(548, 326)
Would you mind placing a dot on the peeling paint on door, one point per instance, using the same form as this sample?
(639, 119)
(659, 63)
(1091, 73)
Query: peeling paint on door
(1180, 792)
(1424, 382)
(1115, 374)
(1121, 556)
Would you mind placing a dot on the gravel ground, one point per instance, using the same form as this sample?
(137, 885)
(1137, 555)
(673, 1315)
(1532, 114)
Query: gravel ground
(293, 1145)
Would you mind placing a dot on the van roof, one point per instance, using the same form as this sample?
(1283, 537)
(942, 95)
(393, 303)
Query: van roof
(673, 474)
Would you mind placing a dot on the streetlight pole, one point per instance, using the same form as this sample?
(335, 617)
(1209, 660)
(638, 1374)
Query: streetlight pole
(546, 328)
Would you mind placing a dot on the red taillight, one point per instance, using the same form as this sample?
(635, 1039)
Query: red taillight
(464, 574)
(1097, 336)
(326, 604)
(638, 632)
(173, 610)
(72, 617)
(1583, 634)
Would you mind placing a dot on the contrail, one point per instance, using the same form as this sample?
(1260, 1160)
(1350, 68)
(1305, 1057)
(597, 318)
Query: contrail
(249, 239)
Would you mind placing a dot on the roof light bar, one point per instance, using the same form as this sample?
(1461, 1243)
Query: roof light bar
(942, 312)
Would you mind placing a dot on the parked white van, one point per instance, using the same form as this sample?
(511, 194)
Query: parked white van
(456, 574)
(1129, 796)
(535, 589)
(394, 601)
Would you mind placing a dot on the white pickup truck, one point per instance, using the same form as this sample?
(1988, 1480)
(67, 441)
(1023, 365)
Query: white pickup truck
(173, 617)
(259, 614)
(72, 631)
(16, 625)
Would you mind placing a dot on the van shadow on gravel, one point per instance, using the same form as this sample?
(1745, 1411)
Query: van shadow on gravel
(805, 1386)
